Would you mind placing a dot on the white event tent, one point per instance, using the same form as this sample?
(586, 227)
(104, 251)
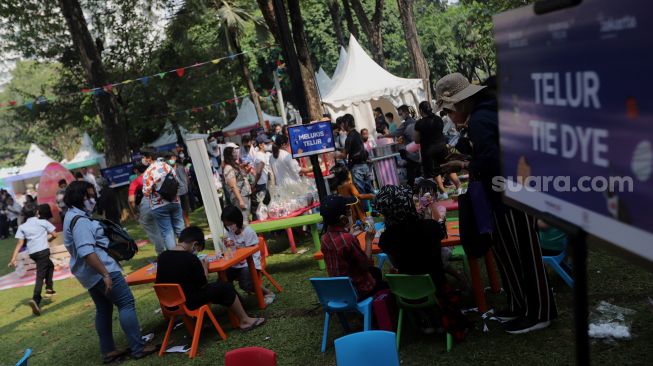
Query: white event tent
(30, 172)
(342, 60)
(323, 81)
(168, 137)
(247, 119)
(362, 85)
(86, 155)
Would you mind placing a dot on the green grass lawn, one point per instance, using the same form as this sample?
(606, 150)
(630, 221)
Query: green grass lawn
(65, 334)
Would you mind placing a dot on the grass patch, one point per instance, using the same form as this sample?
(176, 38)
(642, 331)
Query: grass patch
(65, 333)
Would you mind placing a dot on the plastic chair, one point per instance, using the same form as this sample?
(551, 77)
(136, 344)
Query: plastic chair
(337, 295)
(263, 249)
(556, 262)
(250, 356)
(373, 348)
(26, 356)
(173, 304)
(413, 292)
(381, 258)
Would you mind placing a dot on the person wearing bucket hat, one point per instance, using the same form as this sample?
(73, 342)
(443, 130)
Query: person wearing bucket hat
(343, 255)
(515, 243)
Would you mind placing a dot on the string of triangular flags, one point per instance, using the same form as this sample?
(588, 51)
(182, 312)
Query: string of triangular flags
(144, 80)
(212, 106)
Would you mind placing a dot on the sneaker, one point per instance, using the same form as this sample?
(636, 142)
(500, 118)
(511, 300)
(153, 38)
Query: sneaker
(443, 196)
(507, 315)
(524, 325)
(460, 191)
(269, 298)
(49, 293)
(36, 310)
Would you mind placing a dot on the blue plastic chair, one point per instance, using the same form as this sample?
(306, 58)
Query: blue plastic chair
(556, 262)
(23, 360)
(373, 348)
(337, 295)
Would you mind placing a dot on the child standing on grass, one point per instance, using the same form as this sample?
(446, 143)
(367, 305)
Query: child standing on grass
(35, 233)
(243, 236)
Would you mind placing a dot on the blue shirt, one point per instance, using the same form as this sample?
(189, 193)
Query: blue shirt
(82, 241)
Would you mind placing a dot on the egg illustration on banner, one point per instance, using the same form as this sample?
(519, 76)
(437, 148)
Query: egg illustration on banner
(642, 161)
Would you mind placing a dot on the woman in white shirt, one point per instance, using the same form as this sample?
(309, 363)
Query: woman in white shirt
(286, 170)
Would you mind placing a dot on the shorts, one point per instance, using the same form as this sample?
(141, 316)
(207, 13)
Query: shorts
(243, 277)
(184, 200)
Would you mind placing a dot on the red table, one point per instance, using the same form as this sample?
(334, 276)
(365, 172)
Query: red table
(147, 274)
(474, 267)
(291, 237)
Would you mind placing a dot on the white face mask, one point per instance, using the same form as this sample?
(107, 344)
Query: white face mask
(232, 228)
(89, 205)
(182, 155)
(213, 144)
(145, 162)
(268, 147)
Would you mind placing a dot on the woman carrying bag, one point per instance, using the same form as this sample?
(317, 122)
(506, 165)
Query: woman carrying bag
(515, 242)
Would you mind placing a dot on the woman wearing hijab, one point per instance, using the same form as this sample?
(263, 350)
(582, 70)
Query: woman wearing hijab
(413, 246)
(516, 244)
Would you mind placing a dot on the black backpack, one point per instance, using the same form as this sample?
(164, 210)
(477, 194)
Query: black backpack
(121, 245)
(169, 187)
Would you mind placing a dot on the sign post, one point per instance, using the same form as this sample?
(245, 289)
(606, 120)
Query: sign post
(311, 139)
(575, 149)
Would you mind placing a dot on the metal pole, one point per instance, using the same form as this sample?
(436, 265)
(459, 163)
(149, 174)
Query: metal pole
(579, 246)
(292, 64)
(282, 108)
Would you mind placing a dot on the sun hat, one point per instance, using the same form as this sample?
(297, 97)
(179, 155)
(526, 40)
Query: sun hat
(454, 88)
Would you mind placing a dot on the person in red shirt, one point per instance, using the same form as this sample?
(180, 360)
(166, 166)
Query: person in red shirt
(343, 254)
(142, 209)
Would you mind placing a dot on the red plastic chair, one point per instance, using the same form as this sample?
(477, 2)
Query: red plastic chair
(263, 249)
(250, 356)
(173, 304)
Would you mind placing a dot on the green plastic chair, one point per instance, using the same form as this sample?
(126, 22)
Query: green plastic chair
(409, 289)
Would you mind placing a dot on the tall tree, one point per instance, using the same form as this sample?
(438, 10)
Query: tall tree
(308, 74)
(351, 25)
(372, 28)
(116, 151)
(233, 20)
(267, 9)
(334, 11)
(420, 67)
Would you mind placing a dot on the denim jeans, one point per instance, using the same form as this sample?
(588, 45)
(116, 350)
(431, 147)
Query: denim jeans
(170, 221)
(360, 174)
(122, 298)
(148, 222)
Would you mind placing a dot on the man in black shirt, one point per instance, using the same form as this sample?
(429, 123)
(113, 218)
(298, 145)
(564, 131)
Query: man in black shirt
(379, 120)
(181, 265)
(356, 156)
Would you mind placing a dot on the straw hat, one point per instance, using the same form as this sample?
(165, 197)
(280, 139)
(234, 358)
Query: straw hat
(454, 88)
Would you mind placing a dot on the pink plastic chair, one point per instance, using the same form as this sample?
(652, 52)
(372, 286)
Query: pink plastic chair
(250, 356)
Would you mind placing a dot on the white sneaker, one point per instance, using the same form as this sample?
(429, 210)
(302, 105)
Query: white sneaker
(460, 191)
(443, 196)
(269, 298)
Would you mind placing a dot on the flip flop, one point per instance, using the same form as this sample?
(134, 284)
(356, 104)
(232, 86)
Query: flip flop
(144, 354)
(116, 357)
(257, 323)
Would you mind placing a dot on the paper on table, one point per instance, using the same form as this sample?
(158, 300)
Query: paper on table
(178, 349)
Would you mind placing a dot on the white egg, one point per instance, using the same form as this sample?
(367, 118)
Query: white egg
(642, 162)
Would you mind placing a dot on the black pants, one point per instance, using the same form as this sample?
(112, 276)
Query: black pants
(260, 195)
(221, 293)
(519, 257)
(4, 226)
(44, 271)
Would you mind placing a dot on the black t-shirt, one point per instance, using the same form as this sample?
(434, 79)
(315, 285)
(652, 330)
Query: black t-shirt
(381, 124)
(430, 130)
(356, 153)
(415, 248)
(185, 269)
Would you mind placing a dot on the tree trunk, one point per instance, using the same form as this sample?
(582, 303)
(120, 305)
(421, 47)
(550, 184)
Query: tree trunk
(248, 78)
(308, 75)
(267, 8)
(351, 25)
(420, 66)
(334, 10)
(372, 28)
(115, 132)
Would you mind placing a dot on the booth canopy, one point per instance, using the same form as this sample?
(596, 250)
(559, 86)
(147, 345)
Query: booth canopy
(342, 60)
(86, 155)
(323, 81)
(168, 137)
(247, 119)
(35, 162)
(361, 82)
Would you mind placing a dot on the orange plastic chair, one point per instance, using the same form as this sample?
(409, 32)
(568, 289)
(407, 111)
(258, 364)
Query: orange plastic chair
(173, 304)
(263, 249)
(250, 356)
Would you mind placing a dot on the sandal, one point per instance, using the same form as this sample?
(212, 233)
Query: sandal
(257, 323)
(144, 353)
(106, 359)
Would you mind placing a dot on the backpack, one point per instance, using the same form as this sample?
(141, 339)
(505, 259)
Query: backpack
(121, 245)
(169, 187)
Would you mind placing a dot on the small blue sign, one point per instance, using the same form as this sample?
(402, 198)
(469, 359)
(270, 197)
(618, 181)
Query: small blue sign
(311, 139)
(118, 175)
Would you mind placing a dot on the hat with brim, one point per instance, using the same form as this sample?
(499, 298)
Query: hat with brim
(332, 207)
(452, 89)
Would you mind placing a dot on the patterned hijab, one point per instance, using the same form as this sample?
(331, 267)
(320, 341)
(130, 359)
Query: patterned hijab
(396, 204)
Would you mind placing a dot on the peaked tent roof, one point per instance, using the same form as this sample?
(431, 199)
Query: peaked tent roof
(323, 81)
(168, 137)
(362, 79)
(247, 117)
(342, 60)
(86, 150)
(36, 160)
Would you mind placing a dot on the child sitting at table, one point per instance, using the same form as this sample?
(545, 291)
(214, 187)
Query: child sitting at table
(346, 188)
(181, 265)
(243, 236)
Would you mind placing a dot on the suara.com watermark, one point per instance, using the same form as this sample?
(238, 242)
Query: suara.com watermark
(614, 184)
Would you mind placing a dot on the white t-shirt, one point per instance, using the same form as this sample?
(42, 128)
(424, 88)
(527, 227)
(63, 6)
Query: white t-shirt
(13, 211)
(246, 238)
(262, 157)
(35, 232)
(285, 168)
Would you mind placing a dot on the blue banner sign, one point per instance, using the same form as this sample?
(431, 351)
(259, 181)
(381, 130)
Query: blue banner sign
(118, 175)
(311, 139)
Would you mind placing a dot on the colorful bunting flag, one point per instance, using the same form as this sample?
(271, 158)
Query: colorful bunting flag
(144, 80)
(180, 71)
(162, 75)
(86, 90)
(12, 102)
(108, 88)
(29, 105)
(216, 61)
